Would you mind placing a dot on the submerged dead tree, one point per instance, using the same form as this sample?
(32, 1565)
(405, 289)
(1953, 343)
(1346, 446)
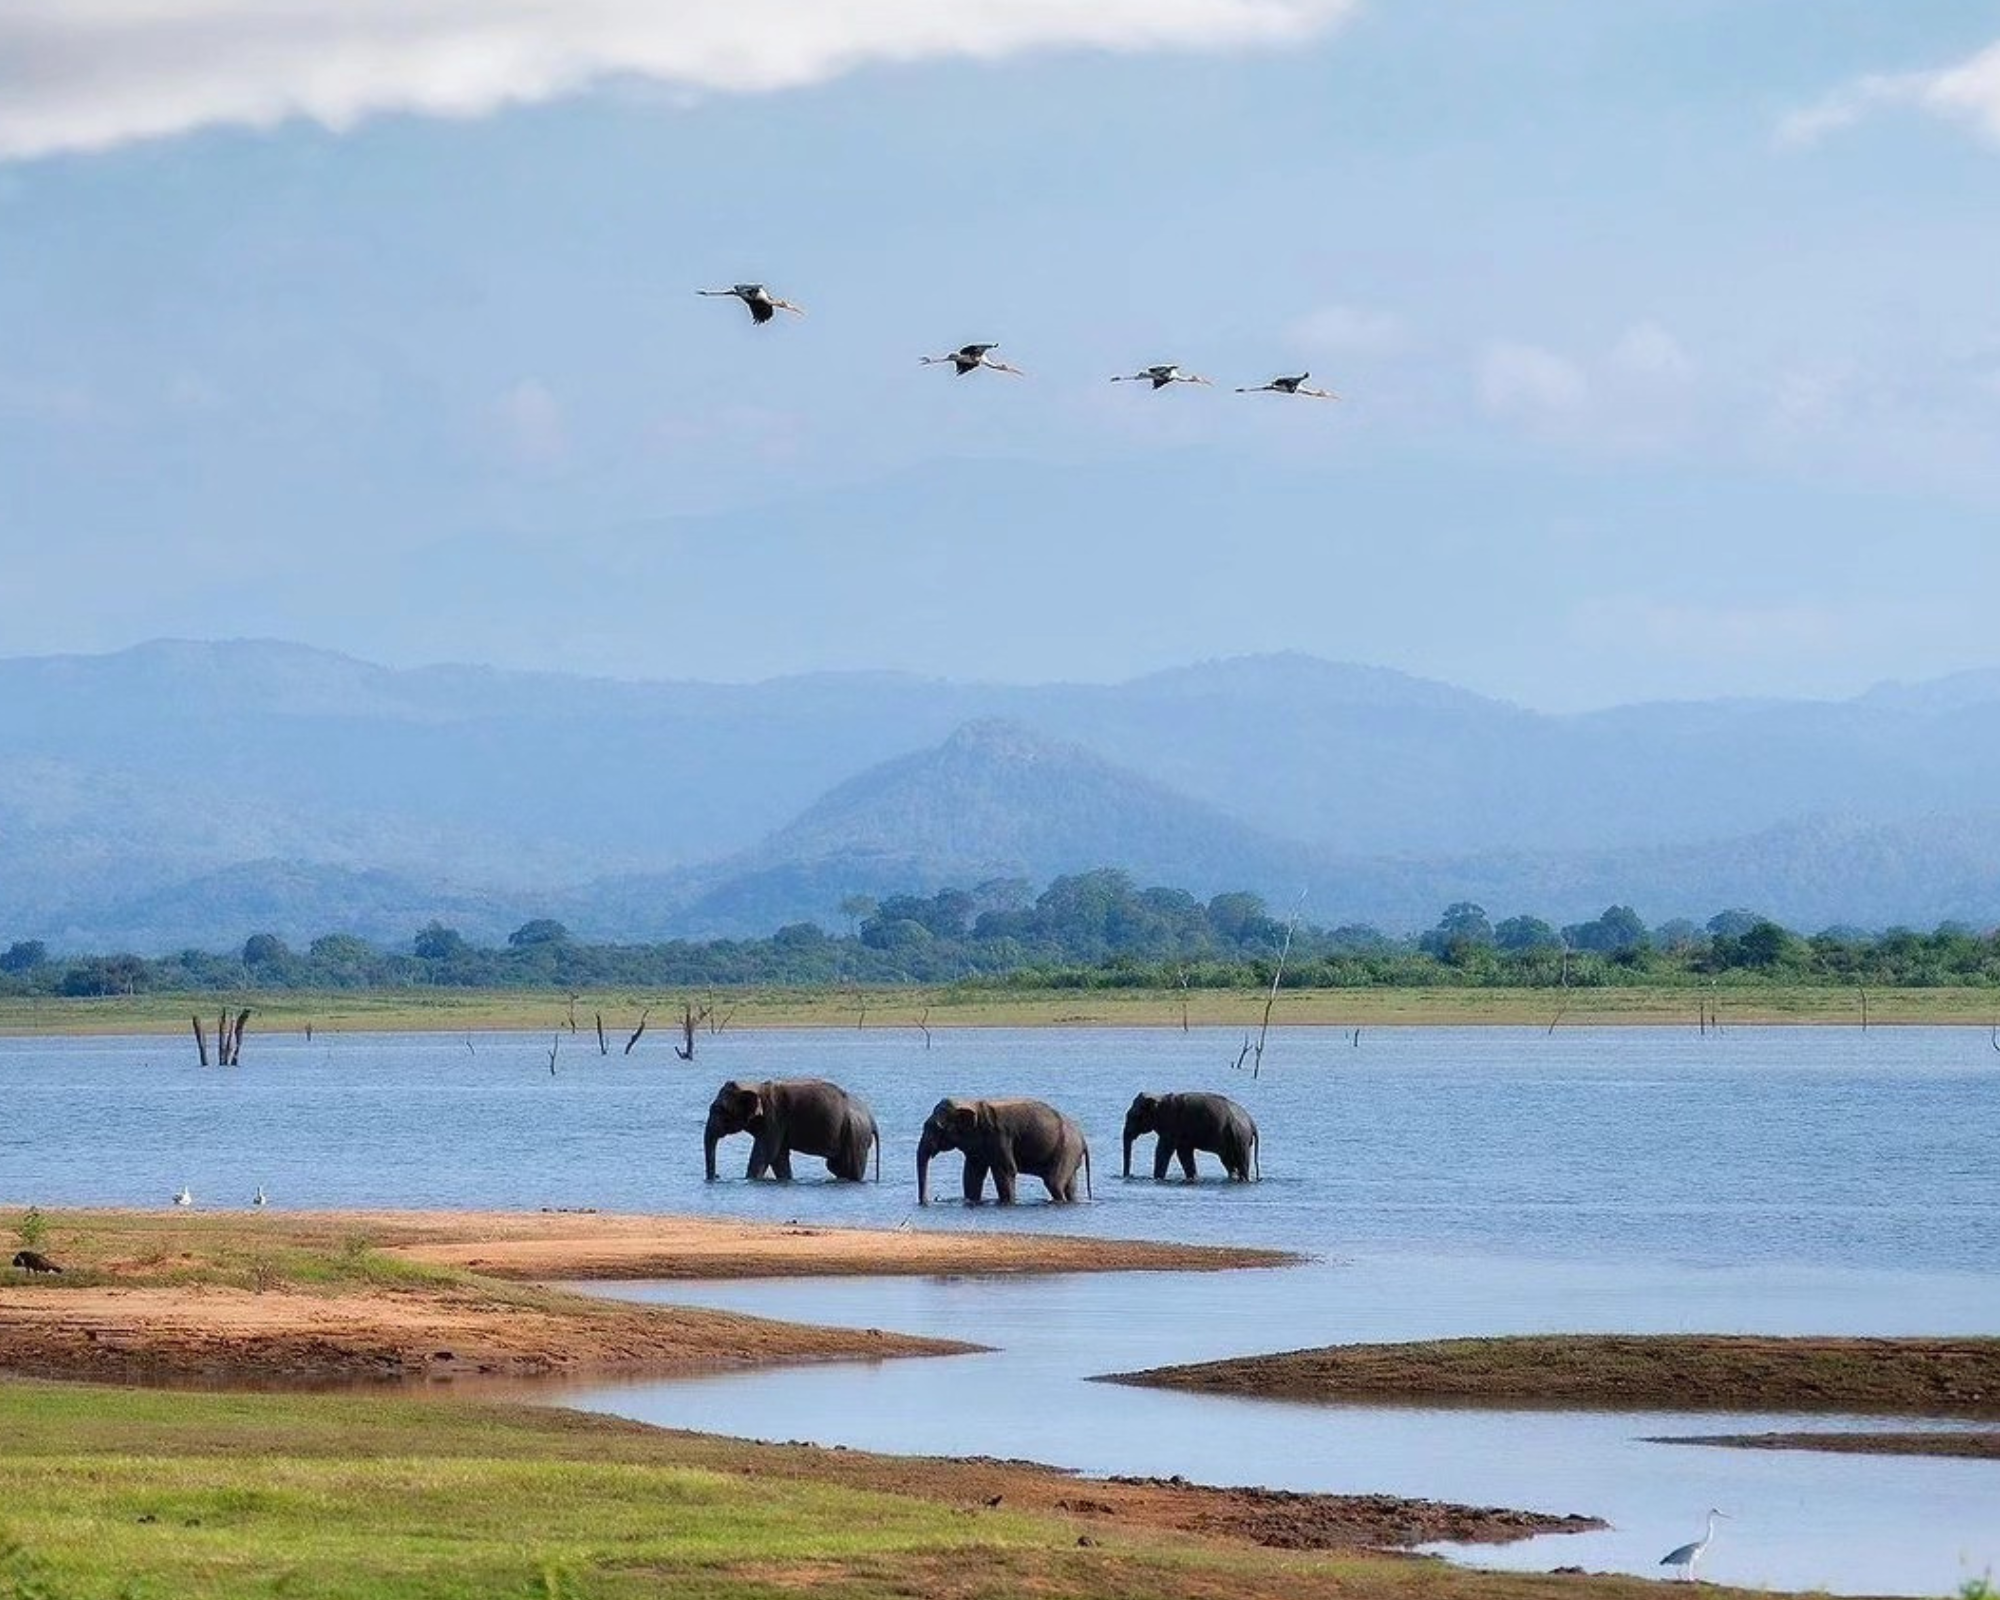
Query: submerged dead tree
(1256, 1052)
(639, 1032)
(228, 1038)
(691, 1018)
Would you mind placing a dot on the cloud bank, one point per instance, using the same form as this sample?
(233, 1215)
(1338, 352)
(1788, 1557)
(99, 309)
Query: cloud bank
(1968, 93)
(93, 74)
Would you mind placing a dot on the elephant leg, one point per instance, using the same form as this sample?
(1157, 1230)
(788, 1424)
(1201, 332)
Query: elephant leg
(1185, 1153)
(1004, 1177)
(1163, 1153)
(760, 1157)
(975, 1180)
(781, 1163)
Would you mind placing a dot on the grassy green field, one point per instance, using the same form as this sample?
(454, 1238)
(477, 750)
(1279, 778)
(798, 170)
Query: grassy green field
(108, 1492)
(909, 1009)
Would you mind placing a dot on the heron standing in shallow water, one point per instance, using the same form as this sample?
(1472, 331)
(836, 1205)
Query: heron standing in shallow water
(968, 357)
(1159, 377)
(762, 303)
(1291, 386)
(1687, 1555)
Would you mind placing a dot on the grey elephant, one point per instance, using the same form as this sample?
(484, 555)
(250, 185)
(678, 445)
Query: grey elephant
(1186, 1123)
(809, 1115)
(1005, 1138)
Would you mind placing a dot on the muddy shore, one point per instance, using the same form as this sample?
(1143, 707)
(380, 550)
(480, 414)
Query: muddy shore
(304, 1300)
(1982, 1446)
(1630, 1372)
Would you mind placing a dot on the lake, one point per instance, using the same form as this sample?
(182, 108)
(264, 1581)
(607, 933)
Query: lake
(1446, 1181)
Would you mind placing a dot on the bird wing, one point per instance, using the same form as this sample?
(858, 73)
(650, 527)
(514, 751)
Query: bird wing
(760, 310)
(1678, 1558)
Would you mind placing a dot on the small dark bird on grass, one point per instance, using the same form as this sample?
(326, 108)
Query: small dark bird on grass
(34, 1261)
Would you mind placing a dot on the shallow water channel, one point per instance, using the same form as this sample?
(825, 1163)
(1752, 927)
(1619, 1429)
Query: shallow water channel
(1446, 1181)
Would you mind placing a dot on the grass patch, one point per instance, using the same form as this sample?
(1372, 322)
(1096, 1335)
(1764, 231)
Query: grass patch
(113, 1491)
(477, 1010)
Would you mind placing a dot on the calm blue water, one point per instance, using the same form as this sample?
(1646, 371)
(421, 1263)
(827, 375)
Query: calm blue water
(1446, 1180)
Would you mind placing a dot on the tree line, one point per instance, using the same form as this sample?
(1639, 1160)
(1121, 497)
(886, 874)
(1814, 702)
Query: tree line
(1092, 929)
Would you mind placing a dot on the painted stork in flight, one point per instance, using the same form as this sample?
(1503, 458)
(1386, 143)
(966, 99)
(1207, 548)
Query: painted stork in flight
(1159, 377)
(1291, 386)
(763, 305)
(967, 357)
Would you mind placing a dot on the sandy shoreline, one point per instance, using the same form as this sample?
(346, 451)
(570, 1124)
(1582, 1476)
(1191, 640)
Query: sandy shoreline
(318, 1298)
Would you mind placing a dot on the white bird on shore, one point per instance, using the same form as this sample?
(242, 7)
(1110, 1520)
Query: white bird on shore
(258, 1199)
(1685, 1556)
(1291, 386)
(968, 357)
(1159, 377)
(184, 1198)
(762, 303)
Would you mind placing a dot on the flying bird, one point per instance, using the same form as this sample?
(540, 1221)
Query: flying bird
(1291, 386)
(762, 303)
(1159, 377)
(966, 357)
(1685, 1556)
(184, 1198)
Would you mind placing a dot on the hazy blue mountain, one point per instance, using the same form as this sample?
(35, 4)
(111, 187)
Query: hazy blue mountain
(994, 800)
(697, 805)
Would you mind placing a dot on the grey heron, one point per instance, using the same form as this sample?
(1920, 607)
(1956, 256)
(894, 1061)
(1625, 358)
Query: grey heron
(184, 1198)
(1159, 377)
(1685, 1556)
(258, 1199)
(970, 356)
(762, 303)
(1291, 386)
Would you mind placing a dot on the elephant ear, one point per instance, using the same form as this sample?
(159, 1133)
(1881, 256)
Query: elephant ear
(753, 1105)
(965, 1118)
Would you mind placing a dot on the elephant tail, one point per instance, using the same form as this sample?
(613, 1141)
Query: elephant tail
(877, 1140)
(1086, 1171)
(1256, 1157)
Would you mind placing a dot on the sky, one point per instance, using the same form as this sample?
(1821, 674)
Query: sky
(1666, 334)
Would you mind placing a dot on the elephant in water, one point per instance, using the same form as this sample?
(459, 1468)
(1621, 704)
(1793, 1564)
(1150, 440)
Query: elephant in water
(809, 1115)
(1186, 1123)
(1005, 1138)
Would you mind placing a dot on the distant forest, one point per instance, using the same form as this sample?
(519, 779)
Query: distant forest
(1091, 930)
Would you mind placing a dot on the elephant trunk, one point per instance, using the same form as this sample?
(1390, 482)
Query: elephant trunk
(1129, 1138)
(712, 1136)
(928, 1146)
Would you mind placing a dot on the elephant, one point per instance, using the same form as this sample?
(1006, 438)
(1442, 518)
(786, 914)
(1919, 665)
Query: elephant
(1005, 1138)
(1186, 1123)
(809, 1115)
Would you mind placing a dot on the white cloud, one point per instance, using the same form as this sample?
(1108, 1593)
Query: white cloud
(1968, 92)
(1527, 380)
(91, 74)
(1350, 331)
(530, 420)
(1646, 351)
